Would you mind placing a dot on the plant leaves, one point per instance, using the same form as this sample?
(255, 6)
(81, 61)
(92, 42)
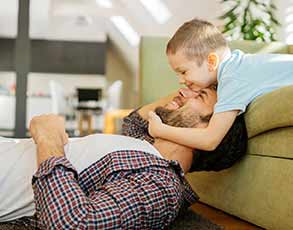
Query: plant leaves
(250, 24)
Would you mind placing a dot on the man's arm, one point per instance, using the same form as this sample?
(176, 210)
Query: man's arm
(200, 138)
(136, 124)
(144, 111)
(60, 202)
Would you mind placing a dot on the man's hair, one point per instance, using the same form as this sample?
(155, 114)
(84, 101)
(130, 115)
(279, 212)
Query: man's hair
(197, 39)
(231, 149)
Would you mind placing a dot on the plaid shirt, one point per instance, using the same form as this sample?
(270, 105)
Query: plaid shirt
(123, 190)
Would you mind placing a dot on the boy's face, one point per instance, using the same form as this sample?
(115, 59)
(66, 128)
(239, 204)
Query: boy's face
(189, 73)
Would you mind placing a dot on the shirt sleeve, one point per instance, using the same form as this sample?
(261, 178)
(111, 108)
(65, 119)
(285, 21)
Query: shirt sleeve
(135, 126)
(59, 200)
(233, 94)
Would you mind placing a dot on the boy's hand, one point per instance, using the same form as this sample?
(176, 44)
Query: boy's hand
(155, 124)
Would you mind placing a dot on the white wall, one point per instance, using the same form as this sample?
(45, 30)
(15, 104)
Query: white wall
(117, 69)
(145, 25)
(8, 18)
(38, 83)
(55, 19)
(38, 100)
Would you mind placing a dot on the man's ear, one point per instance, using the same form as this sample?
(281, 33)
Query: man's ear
(213, 61)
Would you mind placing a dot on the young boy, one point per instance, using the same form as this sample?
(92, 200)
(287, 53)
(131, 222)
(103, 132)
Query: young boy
(199, 54)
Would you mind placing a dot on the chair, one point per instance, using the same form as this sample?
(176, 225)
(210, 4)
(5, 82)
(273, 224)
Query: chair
(111, 118)
(114, 95)
(59, 103)
(112, 110)
(62, 107)
(88, 104)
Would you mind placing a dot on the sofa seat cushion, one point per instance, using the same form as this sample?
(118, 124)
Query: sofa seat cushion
(270, 111)
(274, 143)
(257, 189)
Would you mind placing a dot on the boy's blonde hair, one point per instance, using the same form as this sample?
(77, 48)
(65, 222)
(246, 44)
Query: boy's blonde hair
(197, 38)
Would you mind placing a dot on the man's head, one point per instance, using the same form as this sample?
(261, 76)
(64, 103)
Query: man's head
(194, 53)
(189, 108)
(193, 110)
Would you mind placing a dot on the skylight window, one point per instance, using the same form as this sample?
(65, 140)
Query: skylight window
(104, 3)
(125, 28)
(157, 9)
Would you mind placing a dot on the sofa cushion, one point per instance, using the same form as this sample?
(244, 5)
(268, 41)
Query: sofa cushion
(257, 189)
(274, 143)
(270, 111)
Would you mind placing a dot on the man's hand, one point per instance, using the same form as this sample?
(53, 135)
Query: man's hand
(48, 132)
(155, 124)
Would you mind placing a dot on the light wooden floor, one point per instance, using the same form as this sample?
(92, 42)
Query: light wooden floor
(222, 219)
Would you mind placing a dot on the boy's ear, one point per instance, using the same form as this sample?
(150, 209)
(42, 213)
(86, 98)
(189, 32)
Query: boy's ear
(213, 61)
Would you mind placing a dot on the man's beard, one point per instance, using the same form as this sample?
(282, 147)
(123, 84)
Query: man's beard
(182, 117)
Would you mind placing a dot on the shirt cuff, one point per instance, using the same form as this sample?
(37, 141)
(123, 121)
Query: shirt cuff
(50, 164)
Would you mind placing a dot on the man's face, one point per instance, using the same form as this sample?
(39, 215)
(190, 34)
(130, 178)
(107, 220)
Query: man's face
(188, 107)
(201, 101)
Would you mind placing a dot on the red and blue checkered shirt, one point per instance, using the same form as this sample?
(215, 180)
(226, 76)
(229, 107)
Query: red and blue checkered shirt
(123, 190)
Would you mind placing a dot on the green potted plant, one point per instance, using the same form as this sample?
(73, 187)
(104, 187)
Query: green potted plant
(250, 20)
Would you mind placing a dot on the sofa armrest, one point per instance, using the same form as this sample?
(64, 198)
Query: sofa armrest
(270, 111)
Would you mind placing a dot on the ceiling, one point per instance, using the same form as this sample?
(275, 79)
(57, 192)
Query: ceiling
(85, 20)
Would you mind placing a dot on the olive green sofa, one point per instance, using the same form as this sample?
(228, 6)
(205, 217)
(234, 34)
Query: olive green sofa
(259, 188)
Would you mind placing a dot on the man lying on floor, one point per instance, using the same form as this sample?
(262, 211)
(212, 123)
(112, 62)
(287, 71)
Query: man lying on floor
(104, 181)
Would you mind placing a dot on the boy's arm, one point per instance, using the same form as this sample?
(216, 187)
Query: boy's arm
(200, 138)
(143, 111)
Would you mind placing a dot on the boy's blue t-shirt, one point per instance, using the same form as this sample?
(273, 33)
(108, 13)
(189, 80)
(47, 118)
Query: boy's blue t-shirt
(243, 77)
